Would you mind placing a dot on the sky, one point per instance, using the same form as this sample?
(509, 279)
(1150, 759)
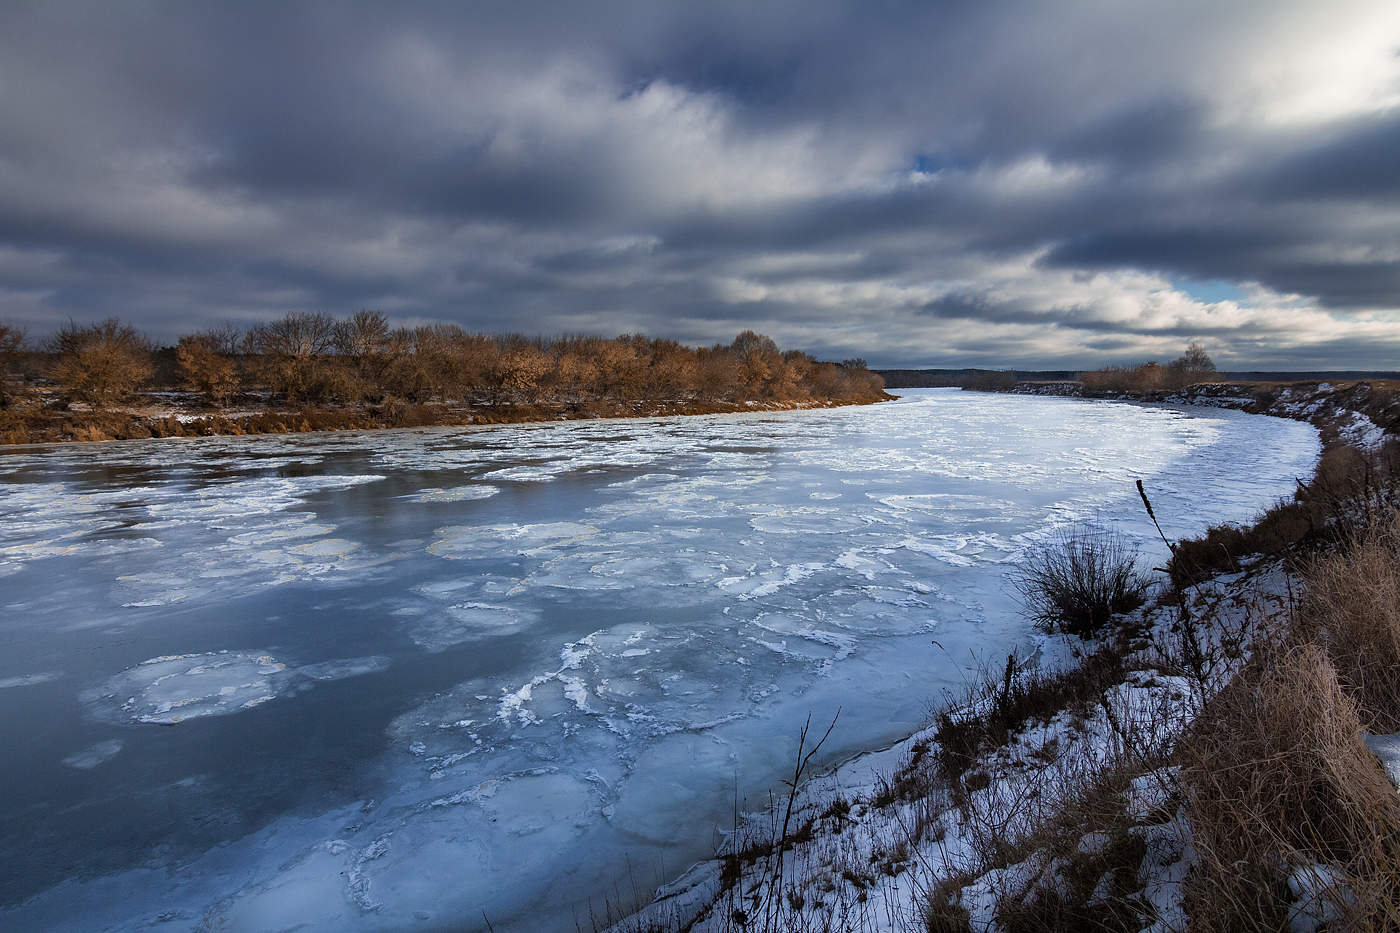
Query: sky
(1037, 185)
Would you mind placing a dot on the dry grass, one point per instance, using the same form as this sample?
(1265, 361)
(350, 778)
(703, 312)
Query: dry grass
(1353, 608)
(1006, 701)
(1277, 779)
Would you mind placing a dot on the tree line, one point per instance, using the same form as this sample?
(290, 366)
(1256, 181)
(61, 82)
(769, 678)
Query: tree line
(1193, 366)
(306, 358)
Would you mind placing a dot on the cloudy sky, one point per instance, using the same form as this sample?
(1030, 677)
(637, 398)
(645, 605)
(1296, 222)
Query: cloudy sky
(1031, 184)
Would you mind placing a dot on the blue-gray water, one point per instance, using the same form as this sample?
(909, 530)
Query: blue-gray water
(403, 679)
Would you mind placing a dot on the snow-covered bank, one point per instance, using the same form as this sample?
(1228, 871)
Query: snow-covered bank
(1081, 809)
(871, 842)
(1359, 414)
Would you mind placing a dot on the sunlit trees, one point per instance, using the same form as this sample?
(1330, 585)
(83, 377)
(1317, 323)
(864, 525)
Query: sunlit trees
(366, 346)
(759, 362)
(674, 371)
(720, 375)
(521, 368)
(305, 359)
(206, 366)
(100, 363)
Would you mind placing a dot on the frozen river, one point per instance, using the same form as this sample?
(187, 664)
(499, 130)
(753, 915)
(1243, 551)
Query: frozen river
(408, 679)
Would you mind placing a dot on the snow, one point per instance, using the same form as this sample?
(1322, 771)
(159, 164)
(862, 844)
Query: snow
(1387, 749)
(1358, 430)
(1317, 890)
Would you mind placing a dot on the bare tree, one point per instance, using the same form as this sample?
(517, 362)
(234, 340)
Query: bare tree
(300, 335)
(101, 363)
(1195, 365)
(363, 337)
(293, 347)
(11, 343)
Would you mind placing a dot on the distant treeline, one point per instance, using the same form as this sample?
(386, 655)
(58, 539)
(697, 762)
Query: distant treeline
(969, 378)
(316, 359)
(1006, 378)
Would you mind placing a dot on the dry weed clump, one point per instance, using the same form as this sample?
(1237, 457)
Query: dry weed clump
(1278, 782)
(1080, 580)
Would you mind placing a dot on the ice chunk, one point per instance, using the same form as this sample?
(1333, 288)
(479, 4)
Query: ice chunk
(466, 622)
(173, 688)
(455, 493)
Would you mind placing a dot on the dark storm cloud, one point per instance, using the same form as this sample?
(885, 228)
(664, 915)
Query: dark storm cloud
(908, 182)
(1357, 161)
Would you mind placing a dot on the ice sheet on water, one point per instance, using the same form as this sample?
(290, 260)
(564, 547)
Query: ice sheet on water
(173, 688)
(527, 474)
(52, 520)
(485, 542)
(809, 519)
(437, 630)
(455, 493)
(275, 554)
(29, 680)
(93, 755)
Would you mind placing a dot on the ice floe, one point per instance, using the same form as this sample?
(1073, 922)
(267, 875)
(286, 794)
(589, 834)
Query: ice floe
(173, 688)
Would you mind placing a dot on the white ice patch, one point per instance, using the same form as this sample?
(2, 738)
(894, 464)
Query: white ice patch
(530, 474)
(439, 630)
(93, 755)
(454, 494)
(170, 689)
(173, 688)
(28, 680)
(485, 542)
(809, 519)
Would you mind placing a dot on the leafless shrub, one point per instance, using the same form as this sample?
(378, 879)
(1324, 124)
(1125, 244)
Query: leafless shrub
(11, 342)
(1080, 580)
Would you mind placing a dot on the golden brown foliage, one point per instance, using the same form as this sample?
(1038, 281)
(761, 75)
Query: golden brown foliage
(206, 370)
(101, 363)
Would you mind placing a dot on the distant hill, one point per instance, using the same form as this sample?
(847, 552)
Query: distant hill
(930, 378)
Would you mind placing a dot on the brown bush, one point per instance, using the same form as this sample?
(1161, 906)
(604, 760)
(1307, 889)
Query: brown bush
(205, 369)
(101, 363)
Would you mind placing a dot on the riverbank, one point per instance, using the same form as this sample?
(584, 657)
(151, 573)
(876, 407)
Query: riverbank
(1089, 789)
(173, 414)
(1360, 413)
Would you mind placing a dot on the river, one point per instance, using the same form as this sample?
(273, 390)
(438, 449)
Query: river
(430, 679)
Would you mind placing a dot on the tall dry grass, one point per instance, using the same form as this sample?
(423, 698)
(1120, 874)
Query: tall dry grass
(1278, 781)
(1352, 607)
